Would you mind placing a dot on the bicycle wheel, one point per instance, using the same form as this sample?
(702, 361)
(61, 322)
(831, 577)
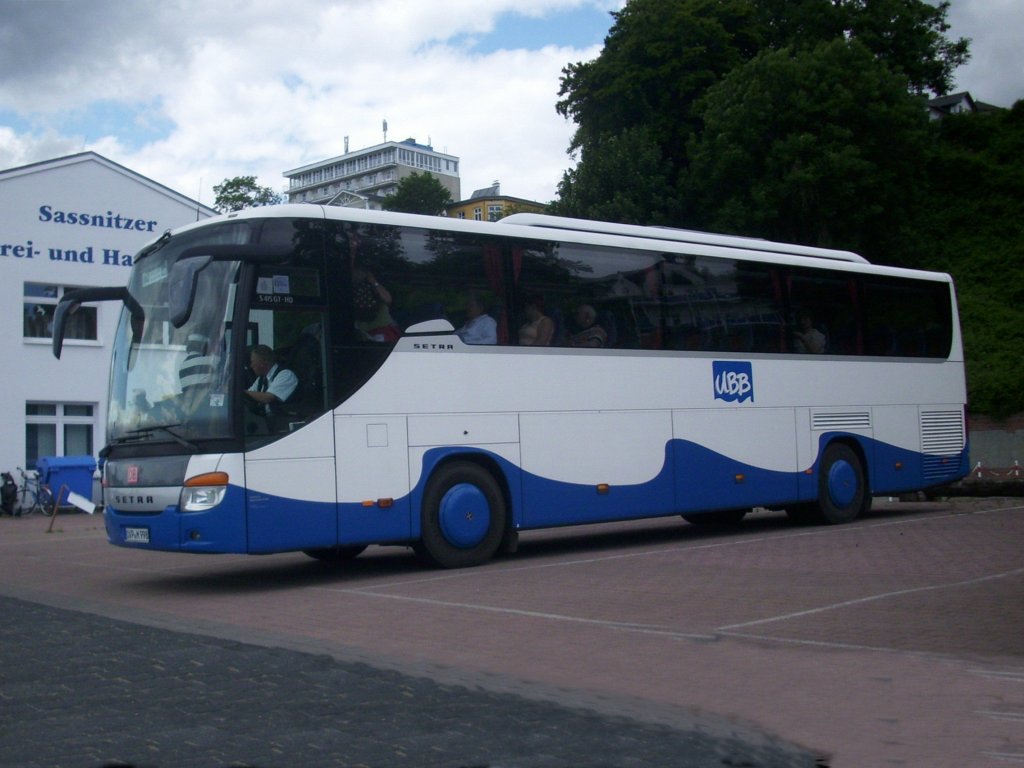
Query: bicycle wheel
(45, 502)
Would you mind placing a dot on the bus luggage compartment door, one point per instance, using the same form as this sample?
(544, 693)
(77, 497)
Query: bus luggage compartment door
(373, 479)
(291, 496)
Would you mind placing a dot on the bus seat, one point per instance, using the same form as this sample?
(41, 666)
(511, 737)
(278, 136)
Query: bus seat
(558, 335)
(305, 360)
(606, 320)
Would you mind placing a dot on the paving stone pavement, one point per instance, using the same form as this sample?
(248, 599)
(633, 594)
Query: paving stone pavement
(82, 690)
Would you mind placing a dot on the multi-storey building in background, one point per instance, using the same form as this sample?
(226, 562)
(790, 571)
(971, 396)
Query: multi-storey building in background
(364, 177)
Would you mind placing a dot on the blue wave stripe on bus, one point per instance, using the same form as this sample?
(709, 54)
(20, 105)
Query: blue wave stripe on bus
(692, 479)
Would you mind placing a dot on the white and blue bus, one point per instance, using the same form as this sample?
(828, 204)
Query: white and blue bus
(456, 382)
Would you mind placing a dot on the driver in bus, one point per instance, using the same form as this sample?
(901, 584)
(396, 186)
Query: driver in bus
(273, 384)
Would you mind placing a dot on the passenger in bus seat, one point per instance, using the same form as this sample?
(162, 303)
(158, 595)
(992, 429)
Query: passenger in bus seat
(480, 327)
(807, 338)
(371, 305)
(273, 384)
(538, 329)
(588, 332)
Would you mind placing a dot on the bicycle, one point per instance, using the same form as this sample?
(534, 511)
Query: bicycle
(33, 496)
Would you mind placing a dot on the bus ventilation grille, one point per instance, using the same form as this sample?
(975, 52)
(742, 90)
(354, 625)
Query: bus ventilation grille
(846, 420)
(942, 436)
(942, 432)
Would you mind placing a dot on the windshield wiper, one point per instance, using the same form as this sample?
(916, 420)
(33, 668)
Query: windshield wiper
(143, 433)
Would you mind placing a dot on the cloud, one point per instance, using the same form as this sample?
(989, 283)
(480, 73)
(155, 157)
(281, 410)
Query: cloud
(61, 55)
(18, 149)
(262, 87)
(190, 92)
(995, 73)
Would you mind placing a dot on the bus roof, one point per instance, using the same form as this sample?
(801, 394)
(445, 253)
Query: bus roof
(679, 236)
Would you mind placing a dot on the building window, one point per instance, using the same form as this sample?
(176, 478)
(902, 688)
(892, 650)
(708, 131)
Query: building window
(58, 429)
(478, 214)
(494, 212)
(39, 305)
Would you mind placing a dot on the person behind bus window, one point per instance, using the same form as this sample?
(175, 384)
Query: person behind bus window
(807, 338)
(371, 301)
(273, 384)
(588, 332)
(538, 329)
(479, 328)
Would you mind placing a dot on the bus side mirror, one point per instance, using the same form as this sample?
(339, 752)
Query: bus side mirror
(60, 321)
(72, 300)
(181, 287)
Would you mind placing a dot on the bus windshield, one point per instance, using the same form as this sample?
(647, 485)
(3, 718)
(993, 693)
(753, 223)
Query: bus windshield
(167, 383)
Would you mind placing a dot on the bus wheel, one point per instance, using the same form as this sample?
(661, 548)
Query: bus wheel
(724, 518)
(842, 491)
(463, 517)
(335, 554)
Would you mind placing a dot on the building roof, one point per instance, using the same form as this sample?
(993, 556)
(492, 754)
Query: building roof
(408, 143)
(93, 157)
(947, 103)
(492, 191)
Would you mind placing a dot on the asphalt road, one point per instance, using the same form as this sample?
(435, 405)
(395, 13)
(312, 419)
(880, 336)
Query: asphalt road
(80, 689)
(898, 640)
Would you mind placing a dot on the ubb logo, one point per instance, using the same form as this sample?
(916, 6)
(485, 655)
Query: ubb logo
(734, 382)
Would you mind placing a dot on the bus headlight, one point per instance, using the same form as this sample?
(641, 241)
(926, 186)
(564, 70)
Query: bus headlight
(203, 492)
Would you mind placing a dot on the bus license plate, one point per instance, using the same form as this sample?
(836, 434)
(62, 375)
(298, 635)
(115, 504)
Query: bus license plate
(136, 535)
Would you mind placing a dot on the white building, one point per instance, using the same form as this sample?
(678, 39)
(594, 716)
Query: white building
(364, 177)
(70, 222)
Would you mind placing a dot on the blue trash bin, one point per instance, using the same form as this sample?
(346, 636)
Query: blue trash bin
(73, 471)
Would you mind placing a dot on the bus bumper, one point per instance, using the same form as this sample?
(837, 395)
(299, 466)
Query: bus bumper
(221, 529)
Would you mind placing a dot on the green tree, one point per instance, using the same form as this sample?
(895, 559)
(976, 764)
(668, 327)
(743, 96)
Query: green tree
(908, 35)
(662, 56)
(625, 180)
(659, 58)
(418, 193)
(243, 192)
(972, 226)
(822, 147)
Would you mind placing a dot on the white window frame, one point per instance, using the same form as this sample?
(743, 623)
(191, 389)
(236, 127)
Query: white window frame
(60, 421)
(53, 301)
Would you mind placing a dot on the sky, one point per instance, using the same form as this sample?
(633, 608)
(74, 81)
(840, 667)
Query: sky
(191, 92)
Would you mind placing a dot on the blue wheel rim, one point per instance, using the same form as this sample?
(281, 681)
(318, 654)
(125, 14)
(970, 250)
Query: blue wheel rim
(842, 484)
(464, 515)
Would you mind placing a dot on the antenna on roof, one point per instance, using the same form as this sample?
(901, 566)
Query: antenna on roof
(385, 130)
